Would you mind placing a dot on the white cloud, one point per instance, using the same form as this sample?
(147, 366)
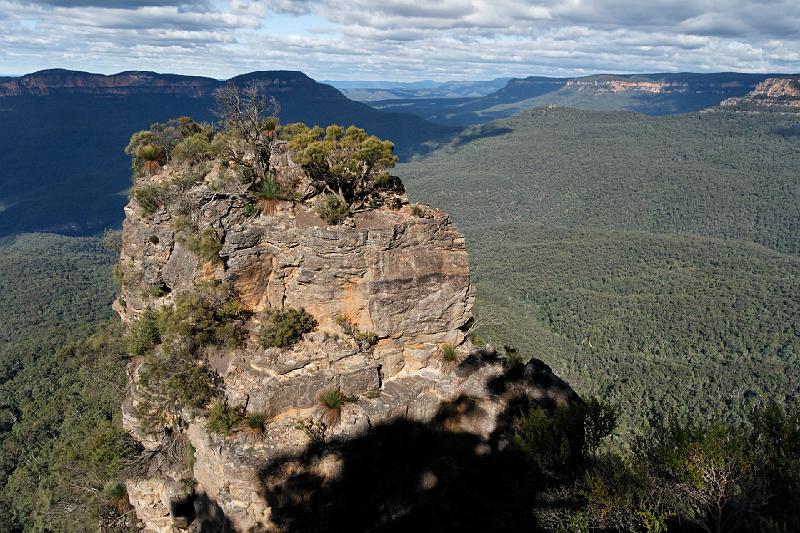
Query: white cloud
(401, 39)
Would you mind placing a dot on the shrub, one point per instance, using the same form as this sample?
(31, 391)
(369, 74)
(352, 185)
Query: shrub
(224, 419)
(249, 210)
(157, 291)
(171, 380)
(512, 357)
(206, 245)
(417, 211)
(150, 198)
(332, 210)
(143, 334)
(192, 149)
(283, 329)
(599, 421)
(117, 496)
(346, 163)
(150, 158)
(350, 329)
(552, 440)
(332, 402)
(255, 423)
(211, 315)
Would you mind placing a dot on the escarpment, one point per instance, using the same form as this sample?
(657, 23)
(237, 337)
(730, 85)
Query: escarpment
(258, 331)
(773, 95)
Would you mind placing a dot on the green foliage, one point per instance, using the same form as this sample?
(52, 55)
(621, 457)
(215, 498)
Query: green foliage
(206, 245)
(143, 334)
(193, 149)
(174, 374)
(283, 329)
(348, 164)
(449, 353)
(552, 440)
(512, 357)
(180, 139)
(332, 399)
(208, 315)
(417, 210)
(255, 422)
(249, 209)
(224, 419)
(171, 380)
(599, 421)
(332, 210)
(150, 197)
(349, 328)
(653, 323)
(269, 190)
(66, 443)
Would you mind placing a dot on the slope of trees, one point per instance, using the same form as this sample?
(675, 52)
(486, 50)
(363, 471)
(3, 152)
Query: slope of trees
(584, 231)
(716, 174)
(61, 384)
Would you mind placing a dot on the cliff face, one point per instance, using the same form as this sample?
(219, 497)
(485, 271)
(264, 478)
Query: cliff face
(773, 95)
(389, 290)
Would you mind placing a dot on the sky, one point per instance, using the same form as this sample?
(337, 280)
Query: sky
(400, 39)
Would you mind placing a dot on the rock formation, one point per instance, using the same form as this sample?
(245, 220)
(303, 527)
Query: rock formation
(773, 95)
(389, 290)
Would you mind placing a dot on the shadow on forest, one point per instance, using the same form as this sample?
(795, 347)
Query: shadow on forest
(405, 475)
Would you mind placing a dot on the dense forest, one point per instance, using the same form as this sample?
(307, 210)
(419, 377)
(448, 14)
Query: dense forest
(717, 174)
(695, 327)
(62, 379)
(589, 241)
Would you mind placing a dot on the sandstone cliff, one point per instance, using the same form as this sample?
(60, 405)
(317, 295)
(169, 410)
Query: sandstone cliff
(389, 290)
(773, 95)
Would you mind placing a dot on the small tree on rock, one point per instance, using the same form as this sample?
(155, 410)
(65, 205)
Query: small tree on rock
(348, 164)
(249, 114)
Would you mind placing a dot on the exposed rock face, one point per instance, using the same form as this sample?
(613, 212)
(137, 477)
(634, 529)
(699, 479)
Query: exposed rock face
(618, 86)
(395, 272)
(773, 95)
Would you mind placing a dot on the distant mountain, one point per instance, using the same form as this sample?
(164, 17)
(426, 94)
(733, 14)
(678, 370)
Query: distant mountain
(365, 91)
(652, 94)
(62, 168)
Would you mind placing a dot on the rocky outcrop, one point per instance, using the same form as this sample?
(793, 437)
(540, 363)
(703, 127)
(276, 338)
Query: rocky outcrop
(396, 273)
(773, 95)
(618, 86)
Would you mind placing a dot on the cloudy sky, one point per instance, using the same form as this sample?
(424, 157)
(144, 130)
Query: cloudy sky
(400, 39)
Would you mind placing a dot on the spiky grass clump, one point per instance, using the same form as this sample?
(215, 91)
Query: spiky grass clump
(255, 423)
(117, 496)
(332, 402)
(449, 353)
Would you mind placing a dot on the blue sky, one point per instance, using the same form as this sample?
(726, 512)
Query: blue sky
(401, 39)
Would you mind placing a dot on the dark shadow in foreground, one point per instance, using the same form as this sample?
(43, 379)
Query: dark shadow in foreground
(405, 475)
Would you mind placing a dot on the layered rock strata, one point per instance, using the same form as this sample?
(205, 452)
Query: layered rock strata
(396, 271)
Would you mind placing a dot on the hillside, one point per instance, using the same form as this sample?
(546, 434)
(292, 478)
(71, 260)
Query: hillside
(713, 174)
(652, 94)
(589, 238)
(62, 169)
(658, 324)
